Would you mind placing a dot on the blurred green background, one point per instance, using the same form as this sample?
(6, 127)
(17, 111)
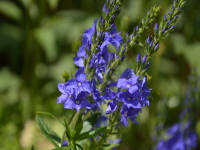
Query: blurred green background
(38, 39)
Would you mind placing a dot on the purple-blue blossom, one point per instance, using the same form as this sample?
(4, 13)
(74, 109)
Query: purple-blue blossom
(132, 95)
(75, 92)
(78, 102)
(79, 84)
(180, 137)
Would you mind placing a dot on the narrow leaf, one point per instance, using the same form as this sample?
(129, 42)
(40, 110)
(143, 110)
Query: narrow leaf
(32, 147)
(69, 131)
(111, 146)
(51, 115)
(78, 127)
(48, 132)
(79, 147)
(70, 147)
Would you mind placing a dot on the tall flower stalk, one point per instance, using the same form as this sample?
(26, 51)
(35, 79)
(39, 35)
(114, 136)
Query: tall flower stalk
(93, 87)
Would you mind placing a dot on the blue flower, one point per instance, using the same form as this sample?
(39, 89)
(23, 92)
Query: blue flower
(65, 143)
(128, 81)
(130, 113)
(79, 84)
(144, 92)
(130, 100)
(77, 103)
(66, 93)
(86, 45)
(180, 137)
(97, 97)
(112, 107)
(112, 37)
(100, 62)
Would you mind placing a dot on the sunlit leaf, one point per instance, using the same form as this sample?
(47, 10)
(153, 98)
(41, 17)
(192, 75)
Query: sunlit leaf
(47, 40)
(48, 132)
(53, 3)
(49, 114)
(78, 127)
(10, 9)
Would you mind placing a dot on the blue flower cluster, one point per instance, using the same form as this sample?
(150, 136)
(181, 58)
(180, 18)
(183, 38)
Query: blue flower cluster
(95, 62)
(180, 137)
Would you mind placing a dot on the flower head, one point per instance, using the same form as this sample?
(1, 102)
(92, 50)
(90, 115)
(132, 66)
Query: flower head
(79, 84)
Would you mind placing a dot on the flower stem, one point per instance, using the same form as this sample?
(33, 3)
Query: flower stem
(107, 133)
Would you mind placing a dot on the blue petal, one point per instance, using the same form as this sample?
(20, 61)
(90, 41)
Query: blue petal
(69, 104)
(86, 86)
(133, 89)
(111, 107)
(80, 75)
(124, 121)
(65, 143)
(72, 83)
(85, 104)
(128, 73)
(77, 107)
(89, 32)
(133, 80)
(122, 83)
(133, 119)
(81, 52)
(79, 61)
(136, 104)
(62, 98)
(61, 87)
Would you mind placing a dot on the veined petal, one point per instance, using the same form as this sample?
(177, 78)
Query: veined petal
(128, 73)
(85, 104)
(133, 80)
(62, 98)
(122, 83)
(77, 107)
(135, 104)
(61, 87)
(124, 121)
(72, 83)
(80, 75)
(89, 32)
(81, 52)
(69, 104)
(79, 61)
(133, 89)
(111, 107)
(86, 87)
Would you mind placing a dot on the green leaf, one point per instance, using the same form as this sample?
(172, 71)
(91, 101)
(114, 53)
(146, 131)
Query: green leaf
(49, 114)
(47, 40)
(78, 127)
(70, 147)
(11, 10)
(90, 134)
(53, 3)
(69, 131)
(32, 147)
(111, 146)
(79, 147)
(48, 132)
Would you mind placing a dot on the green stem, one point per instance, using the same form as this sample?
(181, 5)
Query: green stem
(107, 133)
(71, 122)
